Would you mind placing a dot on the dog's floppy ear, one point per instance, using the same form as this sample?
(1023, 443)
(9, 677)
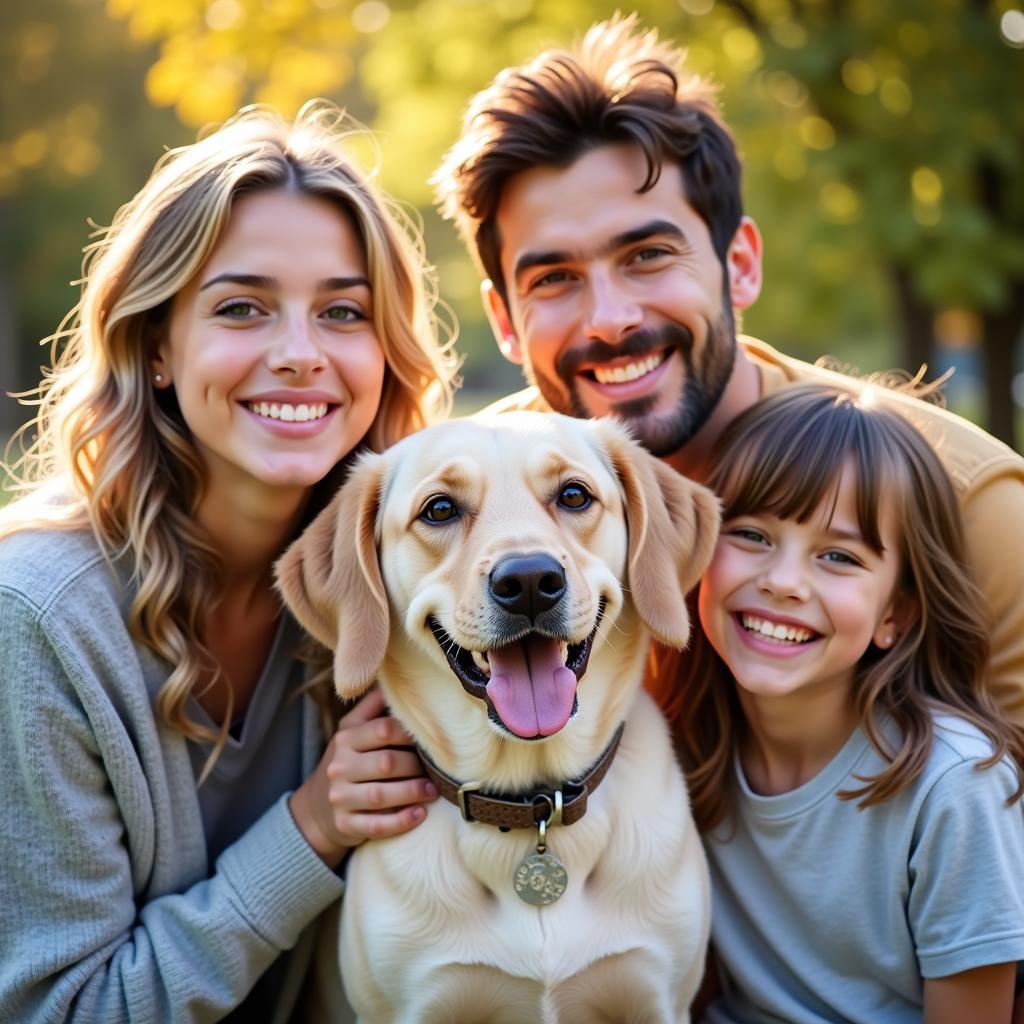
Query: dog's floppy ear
(673, 527)
(330, 578)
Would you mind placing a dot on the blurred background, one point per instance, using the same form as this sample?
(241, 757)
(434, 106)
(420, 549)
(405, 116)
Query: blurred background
(883, 147)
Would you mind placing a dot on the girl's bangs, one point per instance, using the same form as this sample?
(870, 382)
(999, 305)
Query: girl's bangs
(788, 463)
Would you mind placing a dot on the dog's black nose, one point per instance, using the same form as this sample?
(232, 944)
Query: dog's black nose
(527, 584)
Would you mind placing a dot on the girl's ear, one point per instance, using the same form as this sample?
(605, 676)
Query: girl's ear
(901, 614)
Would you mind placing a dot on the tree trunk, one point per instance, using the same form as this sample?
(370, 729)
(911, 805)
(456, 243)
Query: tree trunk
(1002, 335)
(917, 319)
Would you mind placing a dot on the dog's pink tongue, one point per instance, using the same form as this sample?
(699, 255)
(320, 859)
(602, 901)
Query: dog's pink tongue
(530, 687)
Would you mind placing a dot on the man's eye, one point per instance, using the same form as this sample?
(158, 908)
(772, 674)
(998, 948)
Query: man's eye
(440, 509)
(550, 278)
(575, 497)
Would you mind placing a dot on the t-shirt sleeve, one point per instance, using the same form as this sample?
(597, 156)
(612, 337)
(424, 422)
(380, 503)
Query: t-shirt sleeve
(993, 516)
(77, 939)
(966, 904)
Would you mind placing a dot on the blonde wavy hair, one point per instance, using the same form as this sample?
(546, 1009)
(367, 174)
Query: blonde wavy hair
(110, 456)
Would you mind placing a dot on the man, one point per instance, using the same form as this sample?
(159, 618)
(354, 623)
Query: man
(599, 191)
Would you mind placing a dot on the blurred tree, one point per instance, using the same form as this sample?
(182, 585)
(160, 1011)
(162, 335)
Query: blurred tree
(882, 144)
(77, 138)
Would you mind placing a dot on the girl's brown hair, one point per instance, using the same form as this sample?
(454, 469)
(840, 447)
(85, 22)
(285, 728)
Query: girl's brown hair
(784, 457)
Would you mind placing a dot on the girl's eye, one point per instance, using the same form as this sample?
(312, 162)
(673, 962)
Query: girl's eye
(575, 497)
(749, 533)
(440, 509)
(840, 558)
(238, 310)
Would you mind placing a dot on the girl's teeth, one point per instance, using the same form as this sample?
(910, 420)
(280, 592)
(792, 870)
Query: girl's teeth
(775, 630)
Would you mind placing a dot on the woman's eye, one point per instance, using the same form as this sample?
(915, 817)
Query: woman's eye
(575, 497)
(237, 310)
(343, 314)
(439, 510)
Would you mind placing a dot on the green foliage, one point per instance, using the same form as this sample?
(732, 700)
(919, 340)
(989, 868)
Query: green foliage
(876, 137)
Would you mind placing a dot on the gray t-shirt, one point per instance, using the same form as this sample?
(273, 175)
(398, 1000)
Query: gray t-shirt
(826, 913)
(272, 722)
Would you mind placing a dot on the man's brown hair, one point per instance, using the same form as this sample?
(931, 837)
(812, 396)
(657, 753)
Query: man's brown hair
(620, 84)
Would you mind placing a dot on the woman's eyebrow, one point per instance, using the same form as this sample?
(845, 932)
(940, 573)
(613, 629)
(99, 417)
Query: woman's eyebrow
(328, 284)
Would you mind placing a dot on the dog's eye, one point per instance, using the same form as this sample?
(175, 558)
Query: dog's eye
(439, 510)
(575, 497)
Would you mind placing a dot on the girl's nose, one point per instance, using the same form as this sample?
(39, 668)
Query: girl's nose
(785, 579)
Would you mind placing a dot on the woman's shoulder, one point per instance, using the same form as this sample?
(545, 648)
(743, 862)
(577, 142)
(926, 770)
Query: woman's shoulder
(44, 565)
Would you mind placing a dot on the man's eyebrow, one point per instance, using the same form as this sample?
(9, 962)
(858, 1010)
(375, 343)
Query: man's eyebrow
(643, 231)
(328, 284)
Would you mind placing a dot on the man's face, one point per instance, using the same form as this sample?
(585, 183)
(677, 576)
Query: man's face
(617, 303)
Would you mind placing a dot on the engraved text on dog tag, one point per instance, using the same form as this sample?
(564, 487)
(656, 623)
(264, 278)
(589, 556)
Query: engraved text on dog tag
(540, 878)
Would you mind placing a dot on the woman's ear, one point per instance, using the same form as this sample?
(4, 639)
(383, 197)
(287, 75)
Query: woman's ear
(898, 618)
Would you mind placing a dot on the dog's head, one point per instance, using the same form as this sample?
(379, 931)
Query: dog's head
(504, 556)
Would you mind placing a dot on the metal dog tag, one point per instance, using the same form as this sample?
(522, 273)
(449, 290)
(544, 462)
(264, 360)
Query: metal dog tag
(540, 879)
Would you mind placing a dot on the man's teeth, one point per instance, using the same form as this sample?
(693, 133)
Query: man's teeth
(631, 371)
(776, 630)
(289, 413)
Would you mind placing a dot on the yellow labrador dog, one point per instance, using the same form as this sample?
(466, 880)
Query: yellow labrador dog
(500, 578)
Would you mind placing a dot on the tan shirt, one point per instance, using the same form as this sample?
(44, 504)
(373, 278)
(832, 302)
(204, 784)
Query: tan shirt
(989, 479)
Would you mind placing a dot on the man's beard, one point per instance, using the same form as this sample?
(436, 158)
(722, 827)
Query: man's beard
(703, 382)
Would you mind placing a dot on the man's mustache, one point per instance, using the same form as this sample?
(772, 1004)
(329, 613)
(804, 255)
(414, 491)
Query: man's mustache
(638, 345)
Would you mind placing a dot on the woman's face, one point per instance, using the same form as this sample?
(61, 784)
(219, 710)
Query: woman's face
(271, 347)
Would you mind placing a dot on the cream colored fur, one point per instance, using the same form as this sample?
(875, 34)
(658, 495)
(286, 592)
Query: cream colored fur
(432, 929)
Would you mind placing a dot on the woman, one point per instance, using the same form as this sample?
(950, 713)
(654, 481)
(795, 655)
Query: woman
(255, 316)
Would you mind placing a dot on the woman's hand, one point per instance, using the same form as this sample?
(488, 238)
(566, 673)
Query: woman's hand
(367, 785)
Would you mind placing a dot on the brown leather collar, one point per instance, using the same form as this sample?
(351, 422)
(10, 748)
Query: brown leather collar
(529, 809)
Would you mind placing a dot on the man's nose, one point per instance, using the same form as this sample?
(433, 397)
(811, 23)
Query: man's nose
(296, 347)
(613, 311)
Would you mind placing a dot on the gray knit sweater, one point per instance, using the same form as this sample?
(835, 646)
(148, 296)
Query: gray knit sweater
(108, 909)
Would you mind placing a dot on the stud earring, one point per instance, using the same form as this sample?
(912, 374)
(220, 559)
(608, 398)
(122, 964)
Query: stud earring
(158, 378)
(889, 639)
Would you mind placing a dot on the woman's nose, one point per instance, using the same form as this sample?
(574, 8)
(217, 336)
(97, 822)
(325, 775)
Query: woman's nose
(296, 348)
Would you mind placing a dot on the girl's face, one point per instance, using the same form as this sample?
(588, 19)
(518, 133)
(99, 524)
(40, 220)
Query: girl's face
(793, 606)
(271, 347)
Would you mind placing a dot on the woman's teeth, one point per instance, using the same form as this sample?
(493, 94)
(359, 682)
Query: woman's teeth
(775, 630)
(631, 371)
(289, 413)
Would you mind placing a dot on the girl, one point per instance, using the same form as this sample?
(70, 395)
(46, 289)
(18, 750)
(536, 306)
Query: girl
(857, 790)
(255, 316)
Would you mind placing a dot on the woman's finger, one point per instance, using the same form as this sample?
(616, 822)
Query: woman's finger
(378, 795)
